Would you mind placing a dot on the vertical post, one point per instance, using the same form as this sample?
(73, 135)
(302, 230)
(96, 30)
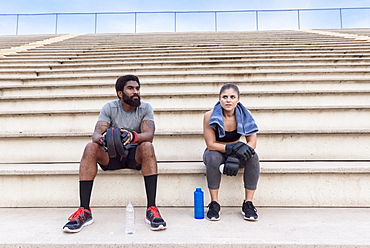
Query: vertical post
(341, 22)
(299, 20)
(175, 20)
(256, 20)
(96, 21)
(16, 28)
(135, 21)
(215, 21)
(56, 23)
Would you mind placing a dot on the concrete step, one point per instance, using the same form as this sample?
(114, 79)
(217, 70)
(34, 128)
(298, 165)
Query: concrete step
(177, 65)
(231, 74)
(255, 69)
(37, 86)
(154, 63)
(203, 57)
(84, 46)
(268, 118)
(273, 145)
(291, 40)
(185, 50)
(277, 227)
(189, 55)
(106, 86)
(190, 100)
(300, 58)
(200, 39)
(180, 50)
(88, 43)
(281, 184)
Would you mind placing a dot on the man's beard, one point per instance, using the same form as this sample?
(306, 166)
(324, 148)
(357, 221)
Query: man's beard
(130, 101)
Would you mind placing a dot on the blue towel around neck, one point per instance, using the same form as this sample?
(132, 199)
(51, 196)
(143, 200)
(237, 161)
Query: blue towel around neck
(246, 124)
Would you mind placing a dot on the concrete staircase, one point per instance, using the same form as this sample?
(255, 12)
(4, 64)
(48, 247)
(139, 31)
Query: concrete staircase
(308, 91)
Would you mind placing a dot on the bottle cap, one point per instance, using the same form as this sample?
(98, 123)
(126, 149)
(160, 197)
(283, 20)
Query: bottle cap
(222, 168)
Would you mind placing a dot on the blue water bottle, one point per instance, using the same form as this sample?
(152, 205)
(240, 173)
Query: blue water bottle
(198, 204)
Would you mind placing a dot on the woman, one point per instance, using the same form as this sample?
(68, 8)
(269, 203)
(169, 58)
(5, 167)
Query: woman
(222, 128)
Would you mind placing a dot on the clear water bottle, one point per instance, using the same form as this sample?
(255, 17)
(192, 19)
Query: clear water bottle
(198, 204)
(130, 219)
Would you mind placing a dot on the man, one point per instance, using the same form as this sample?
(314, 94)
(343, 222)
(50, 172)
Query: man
(135, 119)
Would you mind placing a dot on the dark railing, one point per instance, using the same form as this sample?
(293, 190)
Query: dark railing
(182, 21)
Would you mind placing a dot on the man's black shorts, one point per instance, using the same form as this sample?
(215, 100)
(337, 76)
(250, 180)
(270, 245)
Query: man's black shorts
(118, 162)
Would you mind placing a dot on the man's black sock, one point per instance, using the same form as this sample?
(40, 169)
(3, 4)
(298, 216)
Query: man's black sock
(151, 189)
(85, 193)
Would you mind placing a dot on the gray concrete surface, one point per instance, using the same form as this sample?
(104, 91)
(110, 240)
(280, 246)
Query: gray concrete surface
(277, 227)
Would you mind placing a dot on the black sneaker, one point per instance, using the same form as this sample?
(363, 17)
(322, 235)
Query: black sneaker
(213, 211)
(249, 211)
(82, 217)
(154, 218)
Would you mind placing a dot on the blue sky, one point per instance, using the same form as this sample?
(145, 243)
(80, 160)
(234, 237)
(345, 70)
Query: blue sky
(47, 6)
(103, 23)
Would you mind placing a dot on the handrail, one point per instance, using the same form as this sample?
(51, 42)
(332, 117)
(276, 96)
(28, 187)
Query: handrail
(176, 13)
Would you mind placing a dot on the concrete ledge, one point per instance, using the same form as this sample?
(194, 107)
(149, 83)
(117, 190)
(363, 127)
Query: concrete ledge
(281, 184)
(105, 85)
(213, 95)
(108, 82)
(255, 100)
(199, 74)
(267, 68)
(35, 65)
(186, 132)
(180, 99)
(296, 145)
(334, 167)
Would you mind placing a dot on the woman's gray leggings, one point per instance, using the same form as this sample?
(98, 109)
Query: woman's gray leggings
(213, 160)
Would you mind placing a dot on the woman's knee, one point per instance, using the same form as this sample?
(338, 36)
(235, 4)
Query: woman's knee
(213, 158)
(255, 161)
(252, 173)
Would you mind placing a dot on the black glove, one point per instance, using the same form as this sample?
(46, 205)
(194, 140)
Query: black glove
(102, 139)
(241, 150)
(231, 166)
(125, 136)
(128, 137)
(112, 142)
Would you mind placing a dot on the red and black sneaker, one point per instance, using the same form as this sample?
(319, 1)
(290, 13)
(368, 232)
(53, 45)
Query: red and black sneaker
(154, 218)
(82, 217)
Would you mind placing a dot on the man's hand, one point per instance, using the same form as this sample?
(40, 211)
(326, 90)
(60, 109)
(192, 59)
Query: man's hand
(98, 135)
(103, 141)
(128, 136)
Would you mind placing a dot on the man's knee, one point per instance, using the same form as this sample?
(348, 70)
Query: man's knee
(146, 148)
(92, 151)
(91, 147)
